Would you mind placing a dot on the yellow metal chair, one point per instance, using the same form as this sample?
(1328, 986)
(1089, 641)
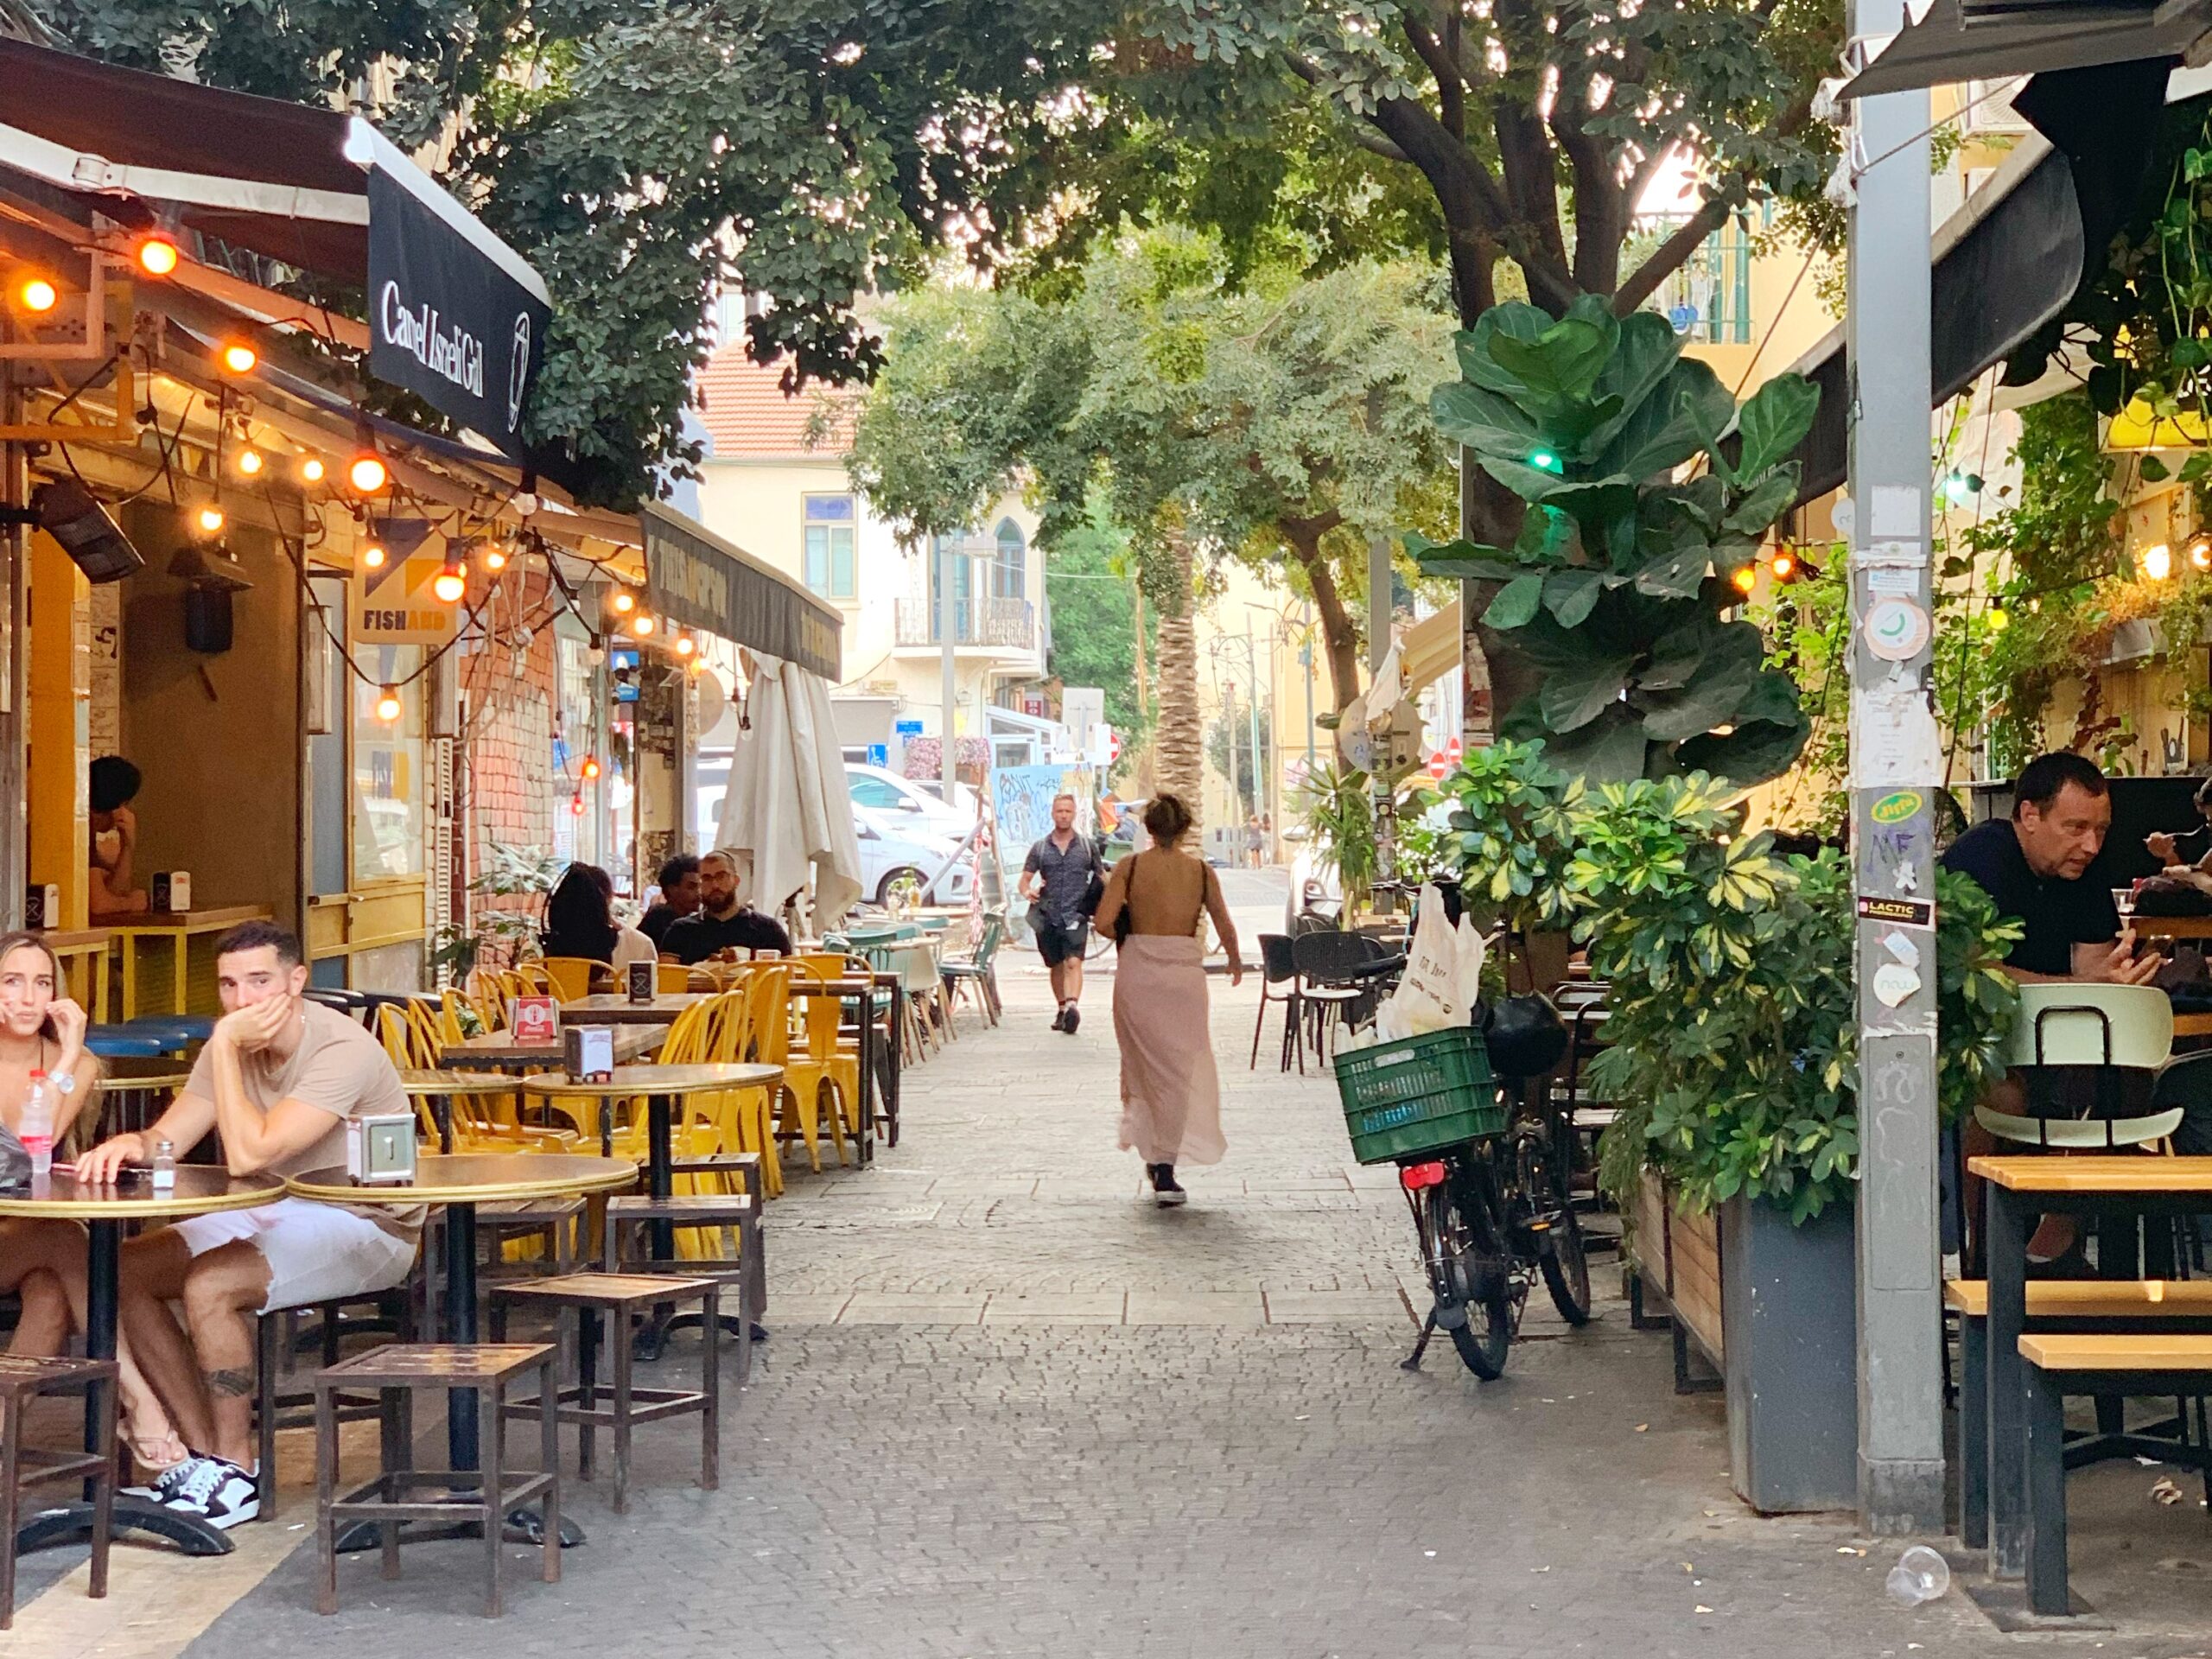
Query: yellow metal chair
(570, 976)
(826, 1061)
(671, 979)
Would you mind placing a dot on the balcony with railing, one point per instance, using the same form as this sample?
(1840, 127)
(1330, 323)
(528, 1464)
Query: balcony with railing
(1008, 625)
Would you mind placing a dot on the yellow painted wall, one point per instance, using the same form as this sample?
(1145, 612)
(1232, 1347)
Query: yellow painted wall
(61, 695)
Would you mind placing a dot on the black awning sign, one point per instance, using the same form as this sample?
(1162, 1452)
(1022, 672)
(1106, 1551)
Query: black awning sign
(447, 323)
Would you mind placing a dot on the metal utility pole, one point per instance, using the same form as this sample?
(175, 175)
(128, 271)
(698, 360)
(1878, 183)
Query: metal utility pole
(1252, 661)
(948, 623)
(1895, 769)
(1378, 646)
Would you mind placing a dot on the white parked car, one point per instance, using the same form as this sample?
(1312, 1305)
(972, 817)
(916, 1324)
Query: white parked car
(878, 790)
(892, 847)
(1314, 885)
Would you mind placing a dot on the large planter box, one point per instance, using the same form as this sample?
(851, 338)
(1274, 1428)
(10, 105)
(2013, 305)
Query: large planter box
(1676, 1253)
(1789, 1301)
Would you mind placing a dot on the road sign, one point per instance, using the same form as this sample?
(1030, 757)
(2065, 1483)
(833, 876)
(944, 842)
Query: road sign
(1452, 751)
(1438, 766)
(1113, 745)
(907, 729)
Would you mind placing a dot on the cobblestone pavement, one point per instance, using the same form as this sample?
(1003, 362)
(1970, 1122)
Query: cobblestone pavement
(1011, 1408)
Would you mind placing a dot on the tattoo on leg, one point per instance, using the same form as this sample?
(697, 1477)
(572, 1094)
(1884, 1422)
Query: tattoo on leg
(231, 1382)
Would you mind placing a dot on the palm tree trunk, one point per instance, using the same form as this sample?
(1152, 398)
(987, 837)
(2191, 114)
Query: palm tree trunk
(1181, 745)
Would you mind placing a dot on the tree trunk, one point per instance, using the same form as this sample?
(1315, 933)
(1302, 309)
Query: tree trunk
(1491, 514)
(1181, 749)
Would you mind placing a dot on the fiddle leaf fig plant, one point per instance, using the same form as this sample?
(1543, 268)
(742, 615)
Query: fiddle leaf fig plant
(1617, 586)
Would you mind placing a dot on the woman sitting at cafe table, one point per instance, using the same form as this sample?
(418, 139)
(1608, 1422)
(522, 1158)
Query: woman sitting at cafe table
(580, 922)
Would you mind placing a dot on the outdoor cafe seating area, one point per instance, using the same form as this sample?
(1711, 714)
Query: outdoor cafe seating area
(603, 1216)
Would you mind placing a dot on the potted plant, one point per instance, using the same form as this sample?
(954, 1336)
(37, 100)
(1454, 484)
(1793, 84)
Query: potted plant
(1732, 1026)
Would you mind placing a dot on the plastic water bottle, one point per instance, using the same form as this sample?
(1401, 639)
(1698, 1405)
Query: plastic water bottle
(164, 1166)
(1920, 1575)
(36, 1132)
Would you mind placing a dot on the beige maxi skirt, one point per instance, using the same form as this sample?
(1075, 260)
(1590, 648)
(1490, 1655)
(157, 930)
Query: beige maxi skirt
(1171, 1093)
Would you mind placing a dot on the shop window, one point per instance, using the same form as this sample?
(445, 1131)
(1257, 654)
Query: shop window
(390, 787)
(1010, 564)
(830, 522)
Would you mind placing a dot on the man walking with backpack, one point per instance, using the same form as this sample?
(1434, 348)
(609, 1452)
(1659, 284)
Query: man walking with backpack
(1061, 878)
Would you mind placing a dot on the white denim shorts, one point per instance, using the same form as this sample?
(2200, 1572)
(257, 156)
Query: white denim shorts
(316, 1252)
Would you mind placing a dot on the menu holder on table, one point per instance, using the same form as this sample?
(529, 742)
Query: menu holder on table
(588, 1053)
(534, 1020)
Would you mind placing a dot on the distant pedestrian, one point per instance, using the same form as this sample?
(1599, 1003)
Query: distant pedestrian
(1255, 841)
(1056, 879)
(1171, 1093)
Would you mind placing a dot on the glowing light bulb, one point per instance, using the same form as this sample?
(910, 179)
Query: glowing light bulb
(1783, 567)
(368, 475)
(685, 644)
(209, 518)
(2200, 553)
(625, 601)
(238, 358)
(311, 470)
(373, 556)
(641, 624)
(450, 585)
(1998, 619)
(576, 805)
(590, 767)
(389, 706)
(157, 256)
(2159, 562)
(37, 294)
(495, 558)
(250, 462)
(1546, 461)
(1744, 580)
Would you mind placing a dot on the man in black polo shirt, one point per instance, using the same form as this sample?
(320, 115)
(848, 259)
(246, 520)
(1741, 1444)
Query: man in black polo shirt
(2033, 865)
(1055, 878)
(721, 924)
(679, 897)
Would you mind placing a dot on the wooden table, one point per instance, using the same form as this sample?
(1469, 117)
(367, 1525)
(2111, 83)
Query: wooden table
(621, 1011)
(83, 954)
(497, 1051)
(166, 940)
(2021, 1188)
(662, 1086)
(456, 1184)
(441, 1089)
(104, 1210)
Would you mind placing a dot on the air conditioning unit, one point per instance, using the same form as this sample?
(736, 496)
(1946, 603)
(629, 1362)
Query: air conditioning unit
(1978, 176)
(1989, 106)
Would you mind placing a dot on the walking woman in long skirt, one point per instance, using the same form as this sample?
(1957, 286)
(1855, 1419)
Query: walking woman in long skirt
(1171, 1093)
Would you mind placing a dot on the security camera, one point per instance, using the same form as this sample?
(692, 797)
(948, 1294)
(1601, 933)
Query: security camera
(65, 509)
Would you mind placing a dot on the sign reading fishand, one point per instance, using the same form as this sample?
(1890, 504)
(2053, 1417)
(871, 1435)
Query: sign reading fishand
(446, 322)
(393, 604)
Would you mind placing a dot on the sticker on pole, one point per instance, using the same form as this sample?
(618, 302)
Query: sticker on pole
(1897, 629)
(1912, 913)
(1893, 982)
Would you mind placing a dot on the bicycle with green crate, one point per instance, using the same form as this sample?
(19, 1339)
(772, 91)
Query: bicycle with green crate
(1483, 1161)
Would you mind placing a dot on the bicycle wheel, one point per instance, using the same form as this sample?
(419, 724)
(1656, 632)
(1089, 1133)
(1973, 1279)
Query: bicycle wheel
(1473, 1279)
(1559, 1245)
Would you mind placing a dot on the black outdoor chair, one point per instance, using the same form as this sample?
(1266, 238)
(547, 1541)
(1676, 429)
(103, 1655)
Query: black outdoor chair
(1339, 978)
(1277, 967)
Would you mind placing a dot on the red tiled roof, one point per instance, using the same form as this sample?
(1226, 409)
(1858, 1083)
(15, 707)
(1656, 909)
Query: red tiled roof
(748, 413)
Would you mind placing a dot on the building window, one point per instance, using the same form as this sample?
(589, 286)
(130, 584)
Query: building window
(829, 545)
(1010, 565)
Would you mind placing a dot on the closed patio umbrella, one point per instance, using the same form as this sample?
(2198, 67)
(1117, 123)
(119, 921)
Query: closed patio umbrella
(788, 814)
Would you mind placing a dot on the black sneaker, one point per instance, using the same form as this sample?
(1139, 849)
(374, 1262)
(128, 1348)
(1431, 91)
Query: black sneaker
(1060, 1018)
(216, 1490)
(1165, 1189)
(1071, 1017)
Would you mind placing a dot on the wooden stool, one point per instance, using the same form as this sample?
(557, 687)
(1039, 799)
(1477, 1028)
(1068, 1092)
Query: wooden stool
(390, 1312)
(595, 1297)
(23, 1379)
(629, 1212)
(395, 1374)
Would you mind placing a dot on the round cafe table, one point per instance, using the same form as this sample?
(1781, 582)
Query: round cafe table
(457, 1182)
(104, 1210)
(662, 1086)
(441, 1089)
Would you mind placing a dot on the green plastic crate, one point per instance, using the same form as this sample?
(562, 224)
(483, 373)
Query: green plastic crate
(1418, 1094)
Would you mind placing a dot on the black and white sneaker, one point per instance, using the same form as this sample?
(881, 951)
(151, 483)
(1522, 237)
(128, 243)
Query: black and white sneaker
(216, 1490)
(164, 1486)
(1071, 1017)
(1165, 1189)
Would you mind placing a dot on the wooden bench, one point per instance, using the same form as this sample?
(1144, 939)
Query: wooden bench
(2107, 1305)
(2105, 1366)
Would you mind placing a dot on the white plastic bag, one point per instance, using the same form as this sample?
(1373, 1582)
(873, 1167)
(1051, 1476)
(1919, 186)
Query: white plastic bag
(1443, 974)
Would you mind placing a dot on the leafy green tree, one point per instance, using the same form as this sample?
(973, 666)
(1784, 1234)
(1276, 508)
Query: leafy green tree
(646, 154)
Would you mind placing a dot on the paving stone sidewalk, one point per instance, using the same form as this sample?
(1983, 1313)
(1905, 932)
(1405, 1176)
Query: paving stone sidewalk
(1011, 1408)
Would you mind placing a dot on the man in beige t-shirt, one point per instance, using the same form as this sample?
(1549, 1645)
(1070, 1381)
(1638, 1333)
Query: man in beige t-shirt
(277, 1083)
